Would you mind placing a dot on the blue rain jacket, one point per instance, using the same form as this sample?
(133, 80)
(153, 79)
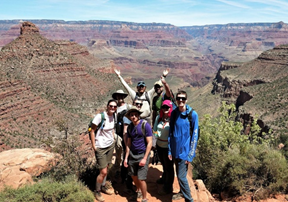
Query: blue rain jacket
(180, 143)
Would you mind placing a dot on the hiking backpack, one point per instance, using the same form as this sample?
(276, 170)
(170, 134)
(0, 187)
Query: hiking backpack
(143, 124)
(120, 123)
(138, 97)
(100, 126)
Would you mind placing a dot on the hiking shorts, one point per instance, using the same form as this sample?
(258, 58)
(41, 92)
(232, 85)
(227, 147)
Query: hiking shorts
(135, 169)
(104, 156)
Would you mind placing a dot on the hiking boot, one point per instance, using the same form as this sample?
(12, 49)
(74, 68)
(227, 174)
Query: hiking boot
(99, 196)
(106, 190)
(108, 184)
(177, 196)
(160, 181)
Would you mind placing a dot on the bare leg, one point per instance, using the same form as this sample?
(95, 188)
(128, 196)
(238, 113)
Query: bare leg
(143, 187)
(100, 178)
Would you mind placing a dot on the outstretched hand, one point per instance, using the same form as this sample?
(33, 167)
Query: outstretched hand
(117, 71)
(165, 72)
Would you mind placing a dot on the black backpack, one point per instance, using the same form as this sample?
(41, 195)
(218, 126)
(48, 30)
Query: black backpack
(120, 123)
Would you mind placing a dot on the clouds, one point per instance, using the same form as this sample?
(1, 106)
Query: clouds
(176, 12)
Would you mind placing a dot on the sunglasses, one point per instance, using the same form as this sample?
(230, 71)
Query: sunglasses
(141, 86)
(181, 98)
(157, 86)
(131, 115)
(165, 107)
(138, 104)
(113, 106)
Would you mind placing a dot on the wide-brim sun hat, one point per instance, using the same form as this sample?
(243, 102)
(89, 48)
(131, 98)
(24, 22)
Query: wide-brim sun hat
(119, 92)
(133, 109)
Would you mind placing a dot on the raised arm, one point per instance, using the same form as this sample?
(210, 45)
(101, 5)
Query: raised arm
(131, 92)
(166, 86)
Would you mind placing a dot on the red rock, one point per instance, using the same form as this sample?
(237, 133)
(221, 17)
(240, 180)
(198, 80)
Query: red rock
(18, 166)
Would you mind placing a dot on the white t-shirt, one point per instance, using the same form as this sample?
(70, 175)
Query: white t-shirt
(104, 137)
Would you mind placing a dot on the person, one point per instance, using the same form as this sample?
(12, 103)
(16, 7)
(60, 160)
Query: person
(119, 95)
(161, 131)
(181, 143)
(160, 95)
(103, 142)
(138, 148)
(141, 94)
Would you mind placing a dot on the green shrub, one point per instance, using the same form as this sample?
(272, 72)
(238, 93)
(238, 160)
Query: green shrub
(48, 190)
(229, 161)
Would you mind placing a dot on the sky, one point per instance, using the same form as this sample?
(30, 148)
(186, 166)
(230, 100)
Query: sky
(175, 12)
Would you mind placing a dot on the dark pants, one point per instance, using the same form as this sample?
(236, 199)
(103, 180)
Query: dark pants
(168, 169)
(124, 172)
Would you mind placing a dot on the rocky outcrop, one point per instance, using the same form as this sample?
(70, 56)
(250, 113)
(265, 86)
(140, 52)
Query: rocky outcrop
(256, 87)
(19, 166)
(43, 82)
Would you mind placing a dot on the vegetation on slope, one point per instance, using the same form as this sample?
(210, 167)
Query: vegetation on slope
(229, 161)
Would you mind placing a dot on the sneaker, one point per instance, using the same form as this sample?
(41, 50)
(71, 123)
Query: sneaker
(99, 196)
(177, 196)
(105, 189)
(139, 194)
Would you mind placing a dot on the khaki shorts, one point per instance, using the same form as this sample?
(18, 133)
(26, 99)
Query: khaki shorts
(104, 156)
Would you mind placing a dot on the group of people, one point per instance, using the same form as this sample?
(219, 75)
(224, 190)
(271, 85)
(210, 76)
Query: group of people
(130, 130)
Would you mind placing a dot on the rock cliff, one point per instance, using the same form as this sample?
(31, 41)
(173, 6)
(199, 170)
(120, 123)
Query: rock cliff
(43, 82)
(258, 88)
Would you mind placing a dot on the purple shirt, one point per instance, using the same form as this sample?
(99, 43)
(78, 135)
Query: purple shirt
(138, 140)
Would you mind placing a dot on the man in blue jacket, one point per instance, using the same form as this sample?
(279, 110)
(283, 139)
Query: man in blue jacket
(182, 143)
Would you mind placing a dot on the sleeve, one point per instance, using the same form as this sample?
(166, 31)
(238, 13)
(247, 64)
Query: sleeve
(131, 92)
(126, 120)
(194, 139)
(97, 120)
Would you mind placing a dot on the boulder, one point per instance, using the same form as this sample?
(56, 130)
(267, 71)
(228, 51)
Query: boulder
(18, 166)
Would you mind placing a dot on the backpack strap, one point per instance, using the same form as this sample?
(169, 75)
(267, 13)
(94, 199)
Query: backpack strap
(146, 97)
(102, 123)
(190, 122)
(143, 127)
